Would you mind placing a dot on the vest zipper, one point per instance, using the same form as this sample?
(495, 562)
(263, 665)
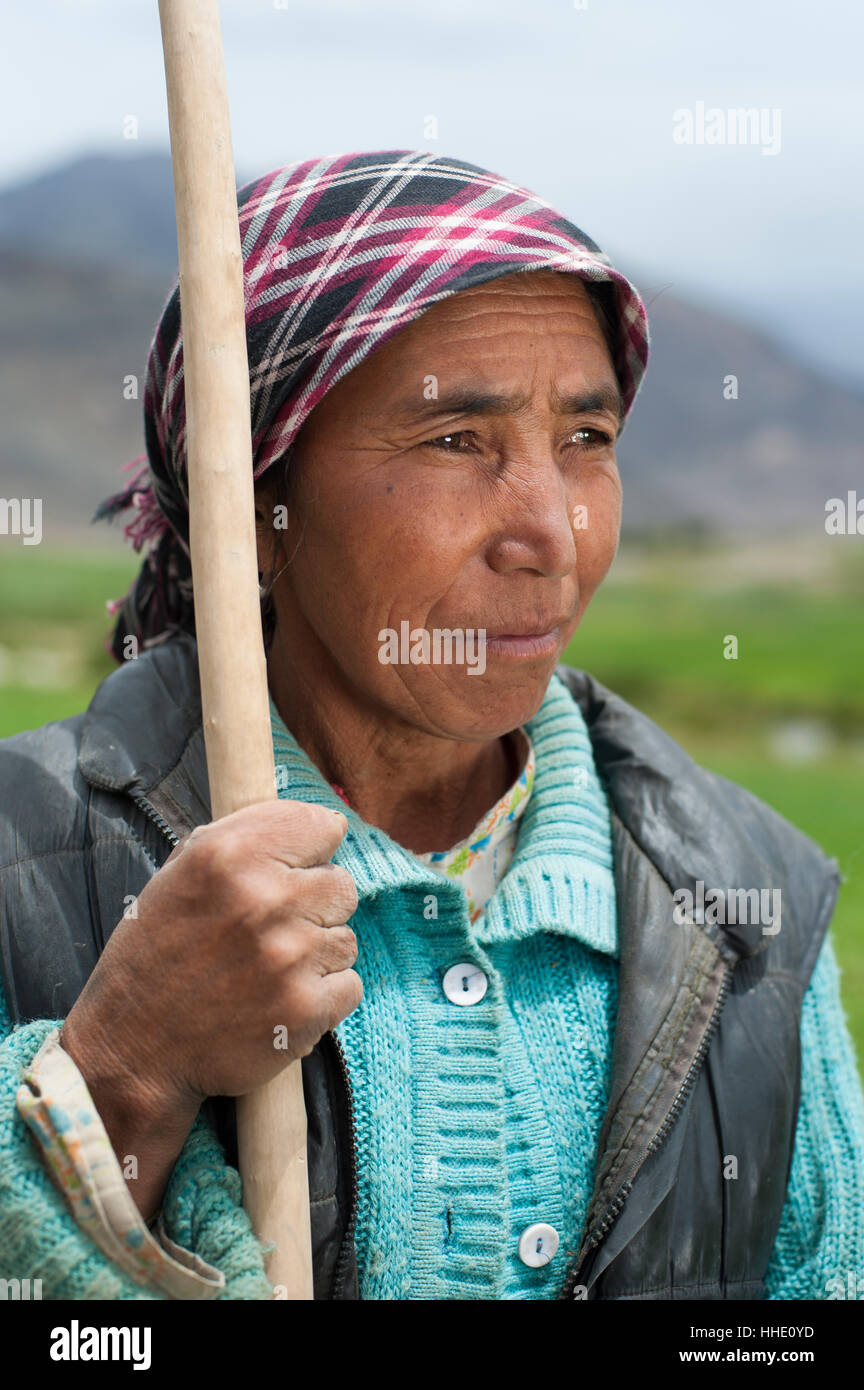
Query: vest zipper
(613, 1211)
(347, 1239)
(345, 1249)
(152, 814)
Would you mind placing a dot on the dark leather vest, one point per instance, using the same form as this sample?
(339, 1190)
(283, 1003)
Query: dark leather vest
(695, 1149)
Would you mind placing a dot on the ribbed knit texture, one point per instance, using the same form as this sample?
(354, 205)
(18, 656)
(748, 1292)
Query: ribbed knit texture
(430, 1095)
(821, 1238)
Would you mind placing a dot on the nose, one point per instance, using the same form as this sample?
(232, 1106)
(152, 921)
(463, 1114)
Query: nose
(531, 521)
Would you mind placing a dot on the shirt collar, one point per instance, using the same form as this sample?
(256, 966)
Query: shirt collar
(501, 820)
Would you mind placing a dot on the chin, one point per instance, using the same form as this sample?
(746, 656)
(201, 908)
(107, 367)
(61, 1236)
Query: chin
(485, 706)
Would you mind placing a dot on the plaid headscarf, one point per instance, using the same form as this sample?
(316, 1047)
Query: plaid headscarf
(339, 254)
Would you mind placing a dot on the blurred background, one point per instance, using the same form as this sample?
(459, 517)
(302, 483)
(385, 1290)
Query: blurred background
(744, 240)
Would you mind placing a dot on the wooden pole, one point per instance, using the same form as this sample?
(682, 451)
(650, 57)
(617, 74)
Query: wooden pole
(271, 1121)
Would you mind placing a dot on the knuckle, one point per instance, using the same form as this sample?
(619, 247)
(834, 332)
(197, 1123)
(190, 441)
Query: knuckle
(247, 895)
(216, 855)
(195, 850)
(267, 898)
(282, 952)
(293, 891)
(344, 891)
(229, 854)
(345, 941)
(194, 838)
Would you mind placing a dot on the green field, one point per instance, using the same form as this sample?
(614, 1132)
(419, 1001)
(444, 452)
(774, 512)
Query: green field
(785, 719)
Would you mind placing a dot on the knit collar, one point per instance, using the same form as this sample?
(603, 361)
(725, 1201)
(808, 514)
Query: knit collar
(561, 878)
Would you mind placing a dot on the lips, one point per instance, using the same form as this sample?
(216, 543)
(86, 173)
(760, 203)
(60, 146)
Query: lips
(531, 628)
(531, 646)
(522, 632)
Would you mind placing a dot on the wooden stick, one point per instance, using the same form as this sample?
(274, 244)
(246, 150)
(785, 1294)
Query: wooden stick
(234, 696)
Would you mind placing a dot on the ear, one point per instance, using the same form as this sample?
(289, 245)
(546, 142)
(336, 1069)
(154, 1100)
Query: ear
(267, 537)
(263, 507)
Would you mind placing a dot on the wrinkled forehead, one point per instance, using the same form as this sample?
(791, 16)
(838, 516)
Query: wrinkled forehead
(544, 300)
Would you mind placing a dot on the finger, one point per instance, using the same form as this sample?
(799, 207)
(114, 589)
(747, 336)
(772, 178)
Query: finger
(341, 993)
(325, 894)
(309, 830)
(336, 949)
(298, 834)
(301, 834)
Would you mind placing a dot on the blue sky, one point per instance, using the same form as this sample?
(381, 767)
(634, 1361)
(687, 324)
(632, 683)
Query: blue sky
(576, 103)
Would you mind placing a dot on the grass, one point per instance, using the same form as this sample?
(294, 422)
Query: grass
(655, 633)
(656, 636)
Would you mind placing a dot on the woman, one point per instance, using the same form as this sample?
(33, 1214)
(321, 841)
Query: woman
(530, 1072)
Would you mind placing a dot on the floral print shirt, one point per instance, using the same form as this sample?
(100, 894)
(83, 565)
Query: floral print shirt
(481, 861)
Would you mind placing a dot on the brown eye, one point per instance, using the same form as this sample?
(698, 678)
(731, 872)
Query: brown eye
(450, 443)
(587, 435)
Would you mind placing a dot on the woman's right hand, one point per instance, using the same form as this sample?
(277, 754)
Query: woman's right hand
(236, 960)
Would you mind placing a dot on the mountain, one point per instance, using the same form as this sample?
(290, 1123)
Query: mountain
(99, 209)
(69, 335)
(87, 256)
(765, 461)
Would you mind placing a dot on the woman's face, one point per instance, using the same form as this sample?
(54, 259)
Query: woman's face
(461, 479)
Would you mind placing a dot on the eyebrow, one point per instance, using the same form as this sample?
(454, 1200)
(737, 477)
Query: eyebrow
(469, 401)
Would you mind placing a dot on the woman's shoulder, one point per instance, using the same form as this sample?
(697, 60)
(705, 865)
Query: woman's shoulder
(139, 714)
(41, 789)
(649, 772)
(701, 831)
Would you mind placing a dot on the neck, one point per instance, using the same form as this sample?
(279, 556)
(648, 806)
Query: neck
(426, 791)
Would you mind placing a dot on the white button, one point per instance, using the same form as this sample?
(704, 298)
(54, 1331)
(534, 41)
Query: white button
(465, 983)
(538, 1244)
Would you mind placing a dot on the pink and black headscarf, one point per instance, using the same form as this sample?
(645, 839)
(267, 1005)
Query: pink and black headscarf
(339, 254)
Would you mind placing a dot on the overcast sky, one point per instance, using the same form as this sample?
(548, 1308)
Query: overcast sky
(575, 100)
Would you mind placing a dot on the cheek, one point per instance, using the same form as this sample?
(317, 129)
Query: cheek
(391, 525)
(368, 547)
(597, 530)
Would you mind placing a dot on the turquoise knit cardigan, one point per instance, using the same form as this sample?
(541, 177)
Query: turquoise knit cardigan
(474, 1123)
(471, 1123)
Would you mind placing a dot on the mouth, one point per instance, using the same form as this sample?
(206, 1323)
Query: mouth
(522, 646)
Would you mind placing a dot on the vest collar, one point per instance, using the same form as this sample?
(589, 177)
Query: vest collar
(143, 733)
